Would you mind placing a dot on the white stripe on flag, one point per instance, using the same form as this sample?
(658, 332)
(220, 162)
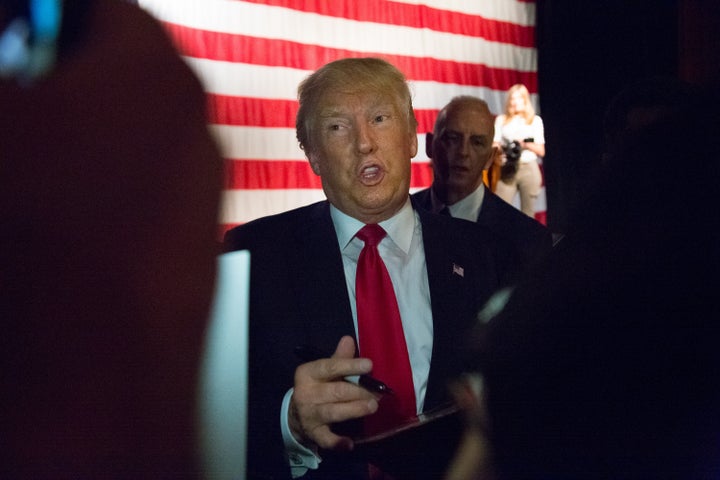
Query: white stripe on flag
(241, 206)
(282, 24)
(257, 142)
(521, 13)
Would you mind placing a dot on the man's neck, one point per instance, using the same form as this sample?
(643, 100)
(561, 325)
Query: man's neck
(446, 196)
(466, 207)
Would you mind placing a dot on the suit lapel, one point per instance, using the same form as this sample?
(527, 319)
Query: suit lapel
(423, 199)
(448, 289)
(488, 210)
(321, 289)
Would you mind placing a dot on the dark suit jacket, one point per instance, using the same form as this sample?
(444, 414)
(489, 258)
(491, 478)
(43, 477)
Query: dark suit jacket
(531, 239)
(298, 295)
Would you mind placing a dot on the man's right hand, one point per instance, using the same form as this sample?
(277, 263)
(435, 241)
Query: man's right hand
(321, 397)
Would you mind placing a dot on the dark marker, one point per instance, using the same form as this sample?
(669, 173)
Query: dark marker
(308, 353)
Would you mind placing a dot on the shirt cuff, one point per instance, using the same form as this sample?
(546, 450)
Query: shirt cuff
(300, 457)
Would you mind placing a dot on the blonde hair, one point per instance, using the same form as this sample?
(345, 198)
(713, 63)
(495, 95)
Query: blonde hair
(351, 75)
(529, 113)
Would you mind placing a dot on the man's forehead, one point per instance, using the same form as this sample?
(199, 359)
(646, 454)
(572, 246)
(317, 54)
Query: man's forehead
(473, 123)
(335, 102)
(470, 108)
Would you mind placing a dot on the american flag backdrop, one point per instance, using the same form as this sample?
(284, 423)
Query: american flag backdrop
(251, 55)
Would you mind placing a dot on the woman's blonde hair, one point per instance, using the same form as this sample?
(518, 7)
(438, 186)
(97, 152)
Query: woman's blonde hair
(529, 113)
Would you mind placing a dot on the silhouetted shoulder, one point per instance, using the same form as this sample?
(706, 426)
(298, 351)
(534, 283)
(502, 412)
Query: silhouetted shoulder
(531, 238)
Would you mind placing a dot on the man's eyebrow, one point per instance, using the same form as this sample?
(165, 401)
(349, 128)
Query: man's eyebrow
(472, 134)
(482, 136)
(331, 112)
(338, 111)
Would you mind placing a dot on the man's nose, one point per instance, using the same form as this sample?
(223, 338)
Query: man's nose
(464, 147)
(365, 139)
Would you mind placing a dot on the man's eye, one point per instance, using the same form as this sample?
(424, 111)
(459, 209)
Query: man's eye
(380, 118)
(451, 137)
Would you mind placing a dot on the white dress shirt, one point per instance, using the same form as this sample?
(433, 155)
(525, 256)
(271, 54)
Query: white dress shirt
(468, 208)
(404, 256)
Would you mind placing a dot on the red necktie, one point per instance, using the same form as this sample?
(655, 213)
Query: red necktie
(381, 335)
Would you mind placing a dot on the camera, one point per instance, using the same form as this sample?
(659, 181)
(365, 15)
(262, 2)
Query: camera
(512, 151)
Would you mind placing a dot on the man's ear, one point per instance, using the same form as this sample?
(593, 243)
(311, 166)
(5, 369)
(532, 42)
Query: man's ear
(491, 158)
(428, 144)
(314, 164)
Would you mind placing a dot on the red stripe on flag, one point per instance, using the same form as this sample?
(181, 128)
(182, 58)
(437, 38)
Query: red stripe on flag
(293, 174)
(269, 174)
(425, 119)
(415, 16)
(261, 112)
(421, 175)
(227, 47)
(251, 112)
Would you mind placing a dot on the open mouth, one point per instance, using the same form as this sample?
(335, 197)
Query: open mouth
(371, 175)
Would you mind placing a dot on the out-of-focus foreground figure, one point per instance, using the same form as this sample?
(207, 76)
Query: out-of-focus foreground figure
(108, 202)
(604, 364)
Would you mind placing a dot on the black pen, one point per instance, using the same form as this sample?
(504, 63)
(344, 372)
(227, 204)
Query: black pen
(308, 353)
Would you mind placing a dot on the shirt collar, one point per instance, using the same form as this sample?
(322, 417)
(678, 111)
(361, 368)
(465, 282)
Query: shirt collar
(468, 208)
(399, 227)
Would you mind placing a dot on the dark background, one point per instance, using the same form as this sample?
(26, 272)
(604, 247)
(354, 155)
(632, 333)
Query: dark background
(589, 50)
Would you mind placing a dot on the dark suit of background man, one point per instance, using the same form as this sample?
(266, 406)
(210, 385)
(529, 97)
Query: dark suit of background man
(461, 148)
(357, 127)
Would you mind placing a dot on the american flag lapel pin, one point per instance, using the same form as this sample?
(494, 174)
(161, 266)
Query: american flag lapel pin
(458, 270)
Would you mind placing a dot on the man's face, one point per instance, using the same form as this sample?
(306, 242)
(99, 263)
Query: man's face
(463, 150)
(364, 147)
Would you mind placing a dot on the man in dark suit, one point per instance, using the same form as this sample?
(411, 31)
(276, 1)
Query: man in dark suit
(357, 127)
(461, 149)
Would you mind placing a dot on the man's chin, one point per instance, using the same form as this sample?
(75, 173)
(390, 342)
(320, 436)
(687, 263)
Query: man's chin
(458, 182)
